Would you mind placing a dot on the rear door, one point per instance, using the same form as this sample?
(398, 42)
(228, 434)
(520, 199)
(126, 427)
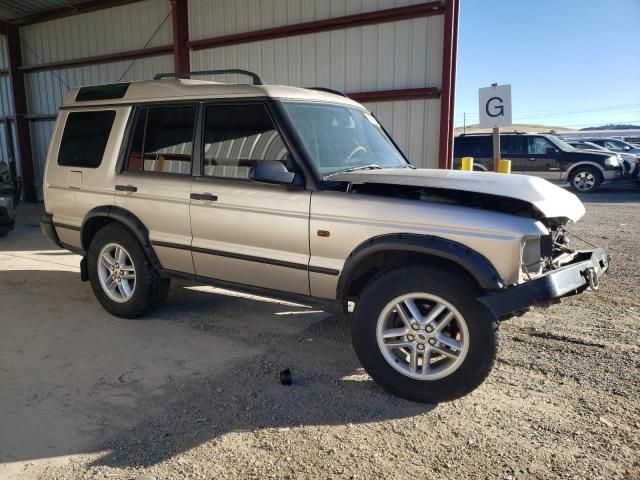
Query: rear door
(542, 158)
(80, 172)
(514, 148)
(246, 232)
(156, 180)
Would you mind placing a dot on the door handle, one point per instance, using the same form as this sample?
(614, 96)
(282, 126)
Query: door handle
(204, 196)
(126, 188)
(532, 159)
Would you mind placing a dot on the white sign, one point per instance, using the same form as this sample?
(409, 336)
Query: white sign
(495, 106)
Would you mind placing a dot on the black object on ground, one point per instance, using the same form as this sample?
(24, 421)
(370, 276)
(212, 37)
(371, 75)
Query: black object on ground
(285, 377)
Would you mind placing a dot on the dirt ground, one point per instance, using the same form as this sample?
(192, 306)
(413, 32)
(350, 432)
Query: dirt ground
(193, 391)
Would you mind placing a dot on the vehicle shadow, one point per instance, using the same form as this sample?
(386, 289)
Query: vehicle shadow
(77, 380)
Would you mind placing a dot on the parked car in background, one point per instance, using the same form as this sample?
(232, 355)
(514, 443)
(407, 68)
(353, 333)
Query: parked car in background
(298, 192)
(615, 145)
(542, 155)
(629, 159)
(7, 200)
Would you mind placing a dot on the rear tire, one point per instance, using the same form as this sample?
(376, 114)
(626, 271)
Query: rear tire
(461, 350)
(585, 179)
(122, 278)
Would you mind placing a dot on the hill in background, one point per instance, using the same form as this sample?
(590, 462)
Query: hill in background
(523, 127)
(612, 126)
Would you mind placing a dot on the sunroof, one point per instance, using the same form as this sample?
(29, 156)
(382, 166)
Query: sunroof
(102, 92)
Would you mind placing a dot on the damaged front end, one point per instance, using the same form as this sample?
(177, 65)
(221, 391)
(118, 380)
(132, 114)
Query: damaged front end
(550, 268)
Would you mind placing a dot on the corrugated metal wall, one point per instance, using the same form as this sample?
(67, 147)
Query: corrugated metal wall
(395, 55)
(119, 29)
(6, 104)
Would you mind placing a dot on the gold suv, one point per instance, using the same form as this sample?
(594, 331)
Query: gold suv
(301, 193)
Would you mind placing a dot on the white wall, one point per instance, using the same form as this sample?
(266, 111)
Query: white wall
(388, 56)
(112, 30)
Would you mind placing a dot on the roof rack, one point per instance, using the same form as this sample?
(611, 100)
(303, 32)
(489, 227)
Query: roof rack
(254, 76)
(328, 90)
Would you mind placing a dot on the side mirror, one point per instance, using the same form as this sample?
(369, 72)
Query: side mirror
(271, 171)
(551, 152)
(627, 148)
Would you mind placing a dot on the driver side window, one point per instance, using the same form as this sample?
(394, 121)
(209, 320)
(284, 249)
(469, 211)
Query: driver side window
(539, 145)
(237, 136)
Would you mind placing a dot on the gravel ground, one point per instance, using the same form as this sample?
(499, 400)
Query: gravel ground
(561, 402)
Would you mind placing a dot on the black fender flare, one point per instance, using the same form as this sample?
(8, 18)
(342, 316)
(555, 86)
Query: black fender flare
(129, 220)
(476, 264)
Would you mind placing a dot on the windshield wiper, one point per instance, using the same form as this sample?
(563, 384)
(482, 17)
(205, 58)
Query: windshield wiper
(371, 166)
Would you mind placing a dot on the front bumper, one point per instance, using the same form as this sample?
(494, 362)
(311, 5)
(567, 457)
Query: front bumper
(616, 173)
(583, 272)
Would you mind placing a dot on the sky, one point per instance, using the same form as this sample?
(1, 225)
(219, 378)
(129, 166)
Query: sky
(570, 63)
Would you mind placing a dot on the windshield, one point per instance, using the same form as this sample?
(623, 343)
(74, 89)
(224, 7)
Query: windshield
(561, 144)
(339, 138)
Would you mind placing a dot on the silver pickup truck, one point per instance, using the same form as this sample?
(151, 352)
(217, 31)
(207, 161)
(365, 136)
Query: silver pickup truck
(301, 193)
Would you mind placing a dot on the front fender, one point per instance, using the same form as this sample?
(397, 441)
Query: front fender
(478, 266)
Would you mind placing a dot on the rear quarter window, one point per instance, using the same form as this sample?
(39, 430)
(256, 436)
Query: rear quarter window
(473, 146)
(84, 138)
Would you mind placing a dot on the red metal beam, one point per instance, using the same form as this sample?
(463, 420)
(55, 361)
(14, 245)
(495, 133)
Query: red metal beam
(4, 72)
(63, 12)
(98, 59)
(19, 98)
(348, 21)
(394, 95)
(180, 17)
(448, 83)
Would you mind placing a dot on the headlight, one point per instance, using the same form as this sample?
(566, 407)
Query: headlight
(612, 161)
(532, 257)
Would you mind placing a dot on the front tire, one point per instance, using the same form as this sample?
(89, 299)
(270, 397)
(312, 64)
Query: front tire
(585, 179)
(421, 333)
(122, 278)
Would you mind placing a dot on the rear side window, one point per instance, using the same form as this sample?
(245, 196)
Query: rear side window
(237, 136)
(162, 140)
(473, 146)
(85, 138)
(513, 145)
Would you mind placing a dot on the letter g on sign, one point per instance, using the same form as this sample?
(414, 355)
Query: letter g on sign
(494, 107)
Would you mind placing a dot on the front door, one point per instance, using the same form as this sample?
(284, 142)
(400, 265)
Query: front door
(514, 148)
(542, 158)
(246, 232)
(156, 181)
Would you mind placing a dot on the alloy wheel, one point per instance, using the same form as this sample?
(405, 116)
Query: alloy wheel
(116, 272)
(422, 336)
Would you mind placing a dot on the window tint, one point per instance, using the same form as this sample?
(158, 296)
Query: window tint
(85, 138)
(236, 136)
(513, 145)
(613, 145)
(473, 146)
(539, 145)
(162, 140)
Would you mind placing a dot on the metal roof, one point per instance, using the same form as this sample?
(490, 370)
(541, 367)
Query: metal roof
(14, 10)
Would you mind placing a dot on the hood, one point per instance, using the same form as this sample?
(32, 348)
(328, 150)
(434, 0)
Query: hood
(550, 200)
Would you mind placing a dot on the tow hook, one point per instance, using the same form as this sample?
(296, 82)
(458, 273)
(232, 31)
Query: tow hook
(592, 278)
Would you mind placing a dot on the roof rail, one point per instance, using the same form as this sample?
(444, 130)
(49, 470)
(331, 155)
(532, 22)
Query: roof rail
(254, 76)
(328, 90)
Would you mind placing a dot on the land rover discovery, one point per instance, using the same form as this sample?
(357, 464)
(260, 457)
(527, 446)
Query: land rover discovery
(301, 193)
